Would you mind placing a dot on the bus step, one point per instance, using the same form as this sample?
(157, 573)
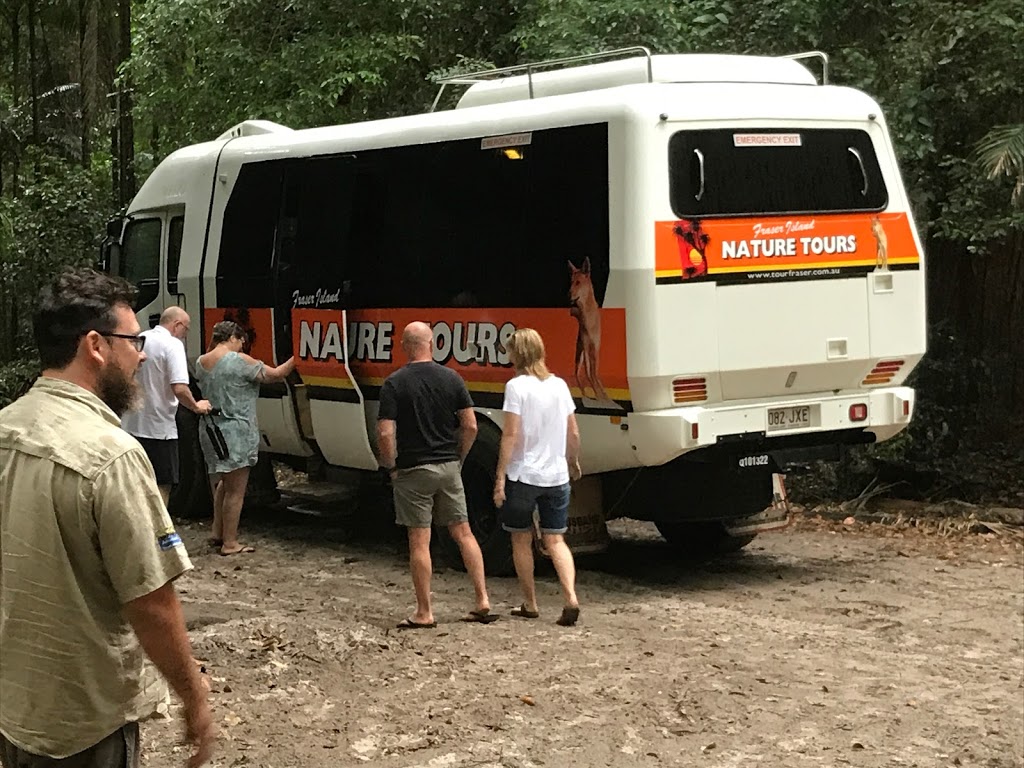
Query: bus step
(319, 492)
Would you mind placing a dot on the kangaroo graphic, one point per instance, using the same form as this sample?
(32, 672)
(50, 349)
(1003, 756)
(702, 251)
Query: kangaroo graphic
(584, 307)
(881, 244)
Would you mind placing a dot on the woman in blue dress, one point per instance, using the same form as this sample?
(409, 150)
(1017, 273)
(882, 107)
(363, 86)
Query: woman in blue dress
(231, 380)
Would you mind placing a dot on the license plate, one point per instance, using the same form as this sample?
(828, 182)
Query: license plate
(757, 460)
(793, 417)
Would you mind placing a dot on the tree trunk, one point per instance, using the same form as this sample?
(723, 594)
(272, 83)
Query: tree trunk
(126, 133)
(33, 74)
(12, 150)
(85, 82)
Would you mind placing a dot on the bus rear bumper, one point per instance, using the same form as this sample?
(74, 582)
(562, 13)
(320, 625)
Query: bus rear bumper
(872, 416)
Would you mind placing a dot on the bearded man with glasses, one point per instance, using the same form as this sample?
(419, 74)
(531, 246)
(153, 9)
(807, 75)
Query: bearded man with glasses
(88, 553)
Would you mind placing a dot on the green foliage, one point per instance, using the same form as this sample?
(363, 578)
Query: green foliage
(301, 63)
(53, 222)
(1001, 153)
(15, 379)
(556, 28)
(953, 384)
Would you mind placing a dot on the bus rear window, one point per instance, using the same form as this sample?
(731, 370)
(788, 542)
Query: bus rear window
(751, 172)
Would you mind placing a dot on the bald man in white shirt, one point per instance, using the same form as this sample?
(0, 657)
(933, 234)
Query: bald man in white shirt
(164, 380)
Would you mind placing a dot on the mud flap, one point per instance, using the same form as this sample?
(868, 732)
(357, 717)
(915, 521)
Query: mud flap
(588, 532)
(773, 518)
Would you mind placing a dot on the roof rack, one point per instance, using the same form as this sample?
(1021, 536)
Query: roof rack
(813, 55)
(472, 78)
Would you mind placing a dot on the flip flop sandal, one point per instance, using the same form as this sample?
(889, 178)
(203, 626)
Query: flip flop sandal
(240, 551)
(569, 617)
(524, 613)
(410, 624)
(480, 617)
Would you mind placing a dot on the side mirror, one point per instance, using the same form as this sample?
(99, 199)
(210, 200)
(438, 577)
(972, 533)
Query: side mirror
(114, 228)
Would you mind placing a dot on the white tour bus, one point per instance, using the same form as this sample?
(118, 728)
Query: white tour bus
(718, 251)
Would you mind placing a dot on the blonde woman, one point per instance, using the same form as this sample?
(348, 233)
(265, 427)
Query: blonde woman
(231, 380)
(539, 454)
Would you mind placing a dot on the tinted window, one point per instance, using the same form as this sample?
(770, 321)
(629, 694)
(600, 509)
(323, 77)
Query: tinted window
(731, 172)
(313, 247)
(452, 224)
(175, 230)
(140, 258)
(244, 266)
(434, 225)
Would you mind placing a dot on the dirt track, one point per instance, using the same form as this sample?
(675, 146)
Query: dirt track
(821, 645)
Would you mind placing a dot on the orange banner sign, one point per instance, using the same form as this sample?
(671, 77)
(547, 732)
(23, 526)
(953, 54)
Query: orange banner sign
(782, 248)
(258, 324)
(470, 341)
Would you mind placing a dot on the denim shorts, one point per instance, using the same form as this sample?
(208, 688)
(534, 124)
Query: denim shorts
(521, 499)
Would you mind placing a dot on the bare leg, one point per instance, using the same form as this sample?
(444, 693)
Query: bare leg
(522, 555)
(474, 561)
(217, 490)
(421, 569)
(232, 486)
(561, 557)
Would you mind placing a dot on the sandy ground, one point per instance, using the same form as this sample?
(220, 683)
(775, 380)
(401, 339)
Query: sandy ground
(820, 645)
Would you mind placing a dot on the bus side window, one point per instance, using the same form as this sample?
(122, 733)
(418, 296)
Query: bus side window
(245, 262)
(140, 259)
(175, 230)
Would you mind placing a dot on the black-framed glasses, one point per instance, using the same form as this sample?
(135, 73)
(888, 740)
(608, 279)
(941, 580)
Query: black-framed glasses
(137, 341)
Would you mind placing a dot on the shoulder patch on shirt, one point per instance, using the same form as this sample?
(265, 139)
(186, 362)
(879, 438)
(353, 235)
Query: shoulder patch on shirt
(168, 540)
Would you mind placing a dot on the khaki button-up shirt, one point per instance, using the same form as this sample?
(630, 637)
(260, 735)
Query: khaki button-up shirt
(83, 531)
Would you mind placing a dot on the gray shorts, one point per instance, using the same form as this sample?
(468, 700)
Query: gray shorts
(429, 493)
(121, 749)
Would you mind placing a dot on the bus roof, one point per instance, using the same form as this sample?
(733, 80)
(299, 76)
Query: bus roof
(675, 68)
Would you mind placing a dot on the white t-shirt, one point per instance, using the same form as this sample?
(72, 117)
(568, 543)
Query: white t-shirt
(538, 457)
(165, 366)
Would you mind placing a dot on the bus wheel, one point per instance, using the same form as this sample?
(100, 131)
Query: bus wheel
(701, 539)
(190, 498)
(478, 479)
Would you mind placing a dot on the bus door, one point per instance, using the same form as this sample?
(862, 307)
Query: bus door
(337, 403)
(148, 258)
(313, 287)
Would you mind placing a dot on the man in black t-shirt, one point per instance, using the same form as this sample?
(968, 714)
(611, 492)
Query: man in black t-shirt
(425, 428)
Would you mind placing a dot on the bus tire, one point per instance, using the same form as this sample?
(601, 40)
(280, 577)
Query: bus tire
(701, 539)
(478, 480)
(191, 497)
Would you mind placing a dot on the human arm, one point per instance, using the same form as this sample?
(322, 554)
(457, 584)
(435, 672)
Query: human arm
(509, 436)
(179, 379)
(159, 624)
(467, 431)
(142, 556)
(572, 448)
(184, 395)
(387, 427)
(512, 408)
(269, 375)
(387, 447)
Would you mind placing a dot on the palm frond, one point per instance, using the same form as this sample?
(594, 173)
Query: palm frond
(1001, 153)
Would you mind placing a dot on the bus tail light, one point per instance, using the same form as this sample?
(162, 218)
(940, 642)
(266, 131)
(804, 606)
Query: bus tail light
(692, 389)
(858, 412)
(883, 373)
